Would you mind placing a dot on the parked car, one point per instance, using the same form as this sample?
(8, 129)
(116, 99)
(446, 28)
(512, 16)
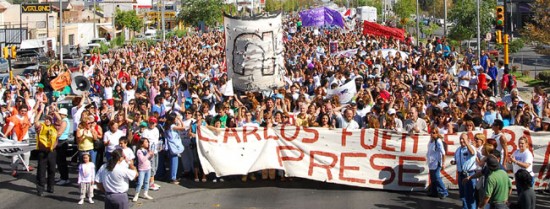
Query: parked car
(73, 64)
(4, 66)
(440, 21)
(29, 70)
(72, 52)
(25, 58)
(96, 42)
(4, 78)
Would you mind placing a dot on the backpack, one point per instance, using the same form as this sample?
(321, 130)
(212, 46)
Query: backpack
(512, 82)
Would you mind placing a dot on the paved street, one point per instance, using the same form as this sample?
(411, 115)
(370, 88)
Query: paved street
(20, 193)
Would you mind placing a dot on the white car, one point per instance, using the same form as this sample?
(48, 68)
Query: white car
(95, 42)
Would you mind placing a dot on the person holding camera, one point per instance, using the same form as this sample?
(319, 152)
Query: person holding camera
(465, 161)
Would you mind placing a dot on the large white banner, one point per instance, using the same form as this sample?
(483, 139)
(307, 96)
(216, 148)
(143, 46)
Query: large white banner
(254, 52)
(372, 158)
(11, 148)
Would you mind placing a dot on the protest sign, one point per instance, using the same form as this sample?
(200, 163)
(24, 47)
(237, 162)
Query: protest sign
(372, 158)
(254, 52)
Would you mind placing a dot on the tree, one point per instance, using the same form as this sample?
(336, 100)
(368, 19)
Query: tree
(465, 18)
(128, 19)
(404, 8)
(273, 5)
(539, 28)
(429, 30)
(194, 11)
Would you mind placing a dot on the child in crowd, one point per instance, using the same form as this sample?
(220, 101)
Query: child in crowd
(144, 156)
(126, 151)
(86, 176)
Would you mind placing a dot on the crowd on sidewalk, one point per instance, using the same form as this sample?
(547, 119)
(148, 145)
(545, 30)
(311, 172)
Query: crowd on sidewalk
(139, 119)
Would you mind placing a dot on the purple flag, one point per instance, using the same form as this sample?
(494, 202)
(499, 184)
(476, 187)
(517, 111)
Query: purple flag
(321, 16)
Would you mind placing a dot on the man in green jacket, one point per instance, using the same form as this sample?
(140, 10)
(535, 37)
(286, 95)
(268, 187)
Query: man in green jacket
(498, 186)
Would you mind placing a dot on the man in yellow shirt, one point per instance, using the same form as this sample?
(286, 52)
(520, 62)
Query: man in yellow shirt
(45, 144)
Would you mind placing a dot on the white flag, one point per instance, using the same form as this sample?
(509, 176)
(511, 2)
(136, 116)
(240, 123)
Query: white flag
(345, 92)
(227, 88)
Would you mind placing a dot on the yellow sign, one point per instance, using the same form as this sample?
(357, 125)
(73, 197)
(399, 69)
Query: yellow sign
(155, 15)
(36, 8)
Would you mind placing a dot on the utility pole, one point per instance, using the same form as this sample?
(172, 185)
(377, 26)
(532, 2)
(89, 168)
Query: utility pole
(20, 23)
(417, 25)
(61, 32)
(163, 22)
(478, 33)
(445, 18)
(95, 28)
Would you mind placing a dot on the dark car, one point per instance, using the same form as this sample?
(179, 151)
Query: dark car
(25, 58)
(30, 70)
(73, 64)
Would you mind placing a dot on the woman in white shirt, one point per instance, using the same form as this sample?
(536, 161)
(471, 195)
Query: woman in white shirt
(111, 138)
(522, 158)
(113, 179)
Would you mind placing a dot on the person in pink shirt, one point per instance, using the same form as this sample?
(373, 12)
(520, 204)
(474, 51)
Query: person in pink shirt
(144, 156)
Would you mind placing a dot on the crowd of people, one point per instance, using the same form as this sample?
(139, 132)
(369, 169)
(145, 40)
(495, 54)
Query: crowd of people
(146, 102)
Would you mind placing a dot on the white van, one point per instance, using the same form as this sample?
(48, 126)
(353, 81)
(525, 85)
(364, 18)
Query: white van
(150, 34)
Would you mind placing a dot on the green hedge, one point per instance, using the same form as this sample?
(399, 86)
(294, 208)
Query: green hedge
(544, 76)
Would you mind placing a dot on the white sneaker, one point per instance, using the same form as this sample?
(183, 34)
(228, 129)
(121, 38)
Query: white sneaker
(156, 185)
(153, 187)
(81, 202)
(136, 197)
(214, 180)
(90, 200)
(146, 196)
(221, 180)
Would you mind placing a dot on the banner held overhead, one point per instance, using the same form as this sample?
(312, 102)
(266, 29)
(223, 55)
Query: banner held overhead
(254, 52)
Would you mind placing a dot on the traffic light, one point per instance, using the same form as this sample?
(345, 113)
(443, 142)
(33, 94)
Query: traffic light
(498, 36)
(13, 52)
(500, 17)
(5, 52)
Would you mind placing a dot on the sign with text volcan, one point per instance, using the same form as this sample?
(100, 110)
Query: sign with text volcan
(36, 8)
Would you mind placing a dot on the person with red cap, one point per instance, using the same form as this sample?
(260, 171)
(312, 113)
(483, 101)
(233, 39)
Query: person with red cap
(152, 133)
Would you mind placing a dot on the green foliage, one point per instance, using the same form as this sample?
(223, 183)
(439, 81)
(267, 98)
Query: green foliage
(465, 17)
(429, 30)
(514, 45)
(273, 5)
(103, 48)
(544, 76)
(454, 43)
(128, 19)
(179, 33)
(194, 11)
(405, 8)
(119, 40)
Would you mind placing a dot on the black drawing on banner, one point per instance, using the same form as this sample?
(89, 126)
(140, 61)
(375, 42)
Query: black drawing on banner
(247, 45)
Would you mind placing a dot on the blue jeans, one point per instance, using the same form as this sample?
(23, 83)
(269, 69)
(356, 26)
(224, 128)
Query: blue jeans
(93, 154)
(467, 191)
(143, 180)
(173, 166)
(437, 182)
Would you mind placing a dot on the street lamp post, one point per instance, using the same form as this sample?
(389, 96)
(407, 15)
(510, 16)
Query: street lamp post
(61, 32)
(417, 25)
(163, 22)
(445, 18)
(478, 32)
(95, 28)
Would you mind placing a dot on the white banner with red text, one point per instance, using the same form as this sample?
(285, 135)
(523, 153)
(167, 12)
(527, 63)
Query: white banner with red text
(373, 158)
